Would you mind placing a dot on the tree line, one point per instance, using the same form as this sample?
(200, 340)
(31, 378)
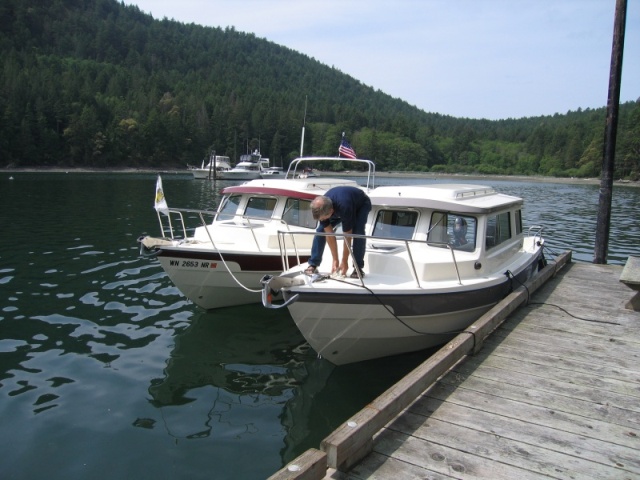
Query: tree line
(97, 83)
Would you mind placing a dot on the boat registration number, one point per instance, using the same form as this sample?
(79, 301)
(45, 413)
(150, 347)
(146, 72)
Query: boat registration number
(192, 264)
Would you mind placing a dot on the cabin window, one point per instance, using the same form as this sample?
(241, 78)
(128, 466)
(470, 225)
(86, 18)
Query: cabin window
(298, 212)
(518, 222)
(260, 207)
(395, 224)
(454, 229)
(229, 207)
(438, 230)
(498, 229)
(461, 230)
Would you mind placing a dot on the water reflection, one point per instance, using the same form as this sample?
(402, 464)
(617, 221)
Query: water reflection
(234, 366)
(237, 349)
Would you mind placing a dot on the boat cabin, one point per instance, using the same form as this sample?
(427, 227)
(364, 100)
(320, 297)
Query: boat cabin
(465, 218)
(287, 201)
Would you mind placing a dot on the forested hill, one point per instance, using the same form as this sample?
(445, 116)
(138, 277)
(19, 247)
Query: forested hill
(97, 83)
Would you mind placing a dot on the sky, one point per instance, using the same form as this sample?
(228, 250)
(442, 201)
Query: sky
(493, 59)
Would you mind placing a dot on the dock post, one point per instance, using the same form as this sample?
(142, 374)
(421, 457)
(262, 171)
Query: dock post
(603, 224)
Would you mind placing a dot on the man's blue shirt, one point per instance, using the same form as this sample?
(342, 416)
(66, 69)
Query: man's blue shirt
(346, 202)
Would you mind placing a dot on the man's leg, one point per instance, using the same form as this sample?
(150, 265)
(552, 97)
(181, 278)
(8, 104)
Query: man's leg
(360, 244)
(317, 247)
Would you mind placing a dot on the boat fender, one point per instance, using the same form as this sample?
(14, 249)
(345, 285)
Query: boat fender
(154, 242)
(511, 278)
(542, 261)
(272, 286)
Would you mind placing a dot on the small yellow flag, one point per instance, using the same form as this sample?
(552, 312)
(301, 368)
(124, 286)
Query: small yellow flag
(161, 202)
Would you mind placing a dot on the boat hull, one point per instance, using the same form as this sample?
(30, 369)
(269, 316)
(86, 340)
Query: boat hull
(355, 324)
(371, 331)
(231, 175)
(204, 174)
(211, 280)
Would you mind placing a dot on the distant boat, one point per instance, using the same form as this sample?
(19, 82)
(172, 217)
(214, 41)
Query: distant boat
(250, 167)
(272, 172)
(217, 164)
(307, 173)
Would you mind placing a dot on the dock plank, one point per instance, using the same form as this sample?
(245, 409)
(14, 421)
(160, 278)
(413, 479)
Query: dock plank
(530, 433)
(609, 352)
(547, 320)
(479, 451)
(551, 401)
(580, 417)
(552, 357)
(385, 467)
(525, 374)
(545, 366)
(454, 460)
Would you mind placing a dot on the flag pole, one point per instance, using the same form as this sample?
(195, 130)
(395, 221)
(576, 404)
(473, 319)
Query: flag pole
(304, 123)
(160, 204)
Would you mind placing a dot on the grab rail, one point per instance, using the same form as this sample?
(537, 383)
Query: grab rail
(217, 217)
(292, 171)
(538, 233)
(398, 241)
(168, 216)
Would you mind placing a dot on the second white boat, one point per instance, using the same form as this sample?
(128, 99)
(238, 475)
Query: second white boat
(437, 258)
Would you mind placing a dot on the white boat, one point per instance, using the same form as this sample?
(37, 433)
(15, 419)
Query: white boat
(249, 167)
(308, 173)
(217, 164)
(220, 263)
(422, 283)
(272, 172)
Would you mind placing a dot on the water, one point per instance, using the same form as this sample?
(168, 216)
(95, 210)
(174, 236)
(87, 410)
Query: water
(107, 372)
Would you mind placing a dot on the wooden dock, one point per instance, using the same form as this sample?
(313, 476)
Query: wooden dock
(553, 392)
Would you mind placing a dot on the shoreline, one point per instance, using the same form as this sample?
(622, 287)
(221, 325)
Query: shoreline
(425, 175)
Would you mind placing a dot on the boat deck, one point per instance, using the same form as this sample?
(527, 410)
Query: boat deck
(554, 392)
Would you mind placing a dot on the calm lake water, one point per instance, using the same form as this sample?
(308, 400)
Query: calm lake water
(106, 371)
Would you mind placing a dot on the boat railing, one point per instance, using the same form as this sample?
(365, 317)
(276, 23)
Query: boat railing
(401, 243)
(535, 231)
(253, 223)
(168, 228)
(295, 168)
(453, 256)
(208, 217)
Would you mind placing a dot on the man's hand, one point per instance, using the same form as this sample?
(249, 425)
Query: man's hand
(335, 266)
(344, 266)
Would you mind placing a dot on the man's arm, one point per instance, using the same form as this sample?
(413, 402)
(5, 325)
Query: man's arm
(344, 265)
(333, 246)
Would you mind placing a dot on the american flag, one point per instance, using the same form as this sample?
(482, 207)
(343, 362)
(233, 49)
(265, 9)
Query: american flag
(345, 149)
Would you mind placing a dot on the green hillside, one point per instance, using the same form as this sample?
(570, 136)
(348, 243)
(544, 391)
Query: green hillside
(96, 83)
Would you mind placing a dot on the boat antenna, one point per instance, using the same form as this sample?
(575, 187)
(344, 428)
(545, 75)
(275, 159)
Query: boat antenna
(304, 122)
